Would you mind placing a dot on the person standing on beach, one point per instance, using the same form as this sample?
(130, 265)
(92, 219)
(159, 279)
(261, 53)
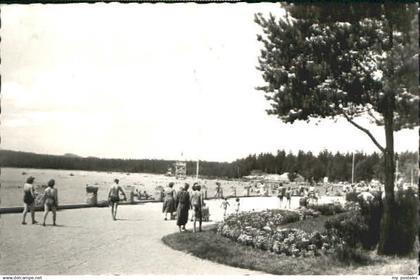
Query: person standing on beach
(50, 201)
(288, 197)
(29, 200)
(197, 204)
(280, 195)
(169, 201)
(114, 197)
(219, 190)
(182, 207)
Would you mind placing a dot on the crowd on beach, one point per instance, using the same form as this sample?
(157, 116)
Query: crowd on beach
(188, 203)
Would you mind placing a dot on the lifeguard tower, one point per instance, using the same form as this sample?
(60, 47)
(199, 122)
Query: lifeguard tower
(180, 169)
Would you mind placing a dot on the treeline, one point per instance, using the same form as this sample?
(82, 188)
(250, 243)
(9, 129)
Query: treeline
(71, 162)
(337, 167)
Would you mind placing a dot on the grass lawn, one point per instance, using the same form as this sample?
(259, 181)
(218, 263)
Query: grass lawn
(211, 246)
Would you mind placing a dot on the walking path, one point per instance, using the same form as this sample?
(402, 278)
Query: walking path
(87, 241)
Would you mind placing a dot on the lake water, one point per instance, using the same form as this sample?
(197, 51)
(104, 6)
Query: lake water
(71, 184)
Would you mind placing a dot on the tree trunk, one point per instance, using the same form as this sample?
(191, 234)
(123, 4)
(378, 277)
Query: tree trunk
(387, 236)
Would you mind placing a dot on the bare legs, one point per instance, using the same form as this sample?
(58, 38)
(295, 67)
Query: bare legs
(28, 208)
(114, 206)
(47, 209)
(199, 223)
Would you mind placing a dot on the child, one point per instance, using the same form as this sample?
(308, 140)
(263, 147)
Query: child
(237, 205)
(225, 205)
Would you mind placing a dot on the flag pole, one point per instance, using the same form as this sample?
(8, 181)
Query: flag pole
(197, 170)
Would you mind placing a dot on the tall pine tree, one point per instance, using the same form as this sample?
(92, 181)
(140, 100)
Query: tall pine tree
(336, 60)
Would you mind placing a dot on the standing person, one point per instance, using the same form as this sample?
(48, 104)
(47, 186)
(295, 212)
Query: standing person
(114, 197)
(280, 195)
(169, 201)
(225, 205)
(289, 196)
(50, 201)
(237, 205)
(182, 206)
(29, 200)
(197, 204)
(233, 190)
(219, 190)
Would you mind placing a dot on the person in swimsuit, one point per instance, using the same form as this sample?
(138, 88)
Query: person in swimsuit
(289, 196)
(114, 198)
(197, 204)
(237, 205)
(50, 201)
(281, 194)
(225, 205)
(219, 190)
(29, 200)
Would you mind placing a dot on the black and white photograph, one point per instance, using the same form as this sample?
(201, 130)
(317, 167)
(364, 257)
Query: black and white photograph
(209, 139)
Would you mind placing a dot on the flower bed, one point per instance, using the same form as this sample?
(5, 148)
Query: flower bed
(328, 209)
(261, 230)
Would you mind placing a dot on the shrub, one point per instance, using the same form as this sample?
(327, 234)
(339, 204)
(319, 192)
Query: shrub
(349, 255)
(350, 227)
(372, 214)
(404, 228)
(352, 196)
(327, 209)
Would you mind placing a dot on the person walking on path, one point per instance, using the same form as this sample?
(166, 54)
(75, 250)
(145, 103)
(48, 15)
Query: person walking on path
(50, 201)
(197, 203)
(182, 206)
(114, 197)
(225, 205)
(169, 201)
(288, 197)
(29, 200)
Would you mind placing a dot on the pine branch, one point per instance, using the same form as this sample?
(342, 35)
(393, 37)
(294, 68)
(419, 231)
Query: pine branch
(365, 131)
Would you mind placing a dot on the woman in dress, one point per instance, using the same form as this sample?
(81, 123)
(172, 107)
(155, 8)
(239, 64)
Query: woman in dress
(29, 200)
(50, 201)
(182, 207)
(114, 197)
(169, 201)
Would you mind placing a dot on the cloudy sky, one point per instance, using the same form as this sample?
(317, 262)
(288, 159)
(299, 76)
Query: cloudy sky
(148, 81)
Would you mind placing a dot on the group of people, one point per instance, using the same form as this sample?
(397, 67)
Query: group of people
(285, 193)
(226, 204)
(49, 200)
(181, 202)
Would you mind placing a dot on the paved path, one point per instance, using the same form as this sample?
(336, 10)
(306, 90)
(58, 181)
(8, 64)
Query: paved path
(89, 242)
